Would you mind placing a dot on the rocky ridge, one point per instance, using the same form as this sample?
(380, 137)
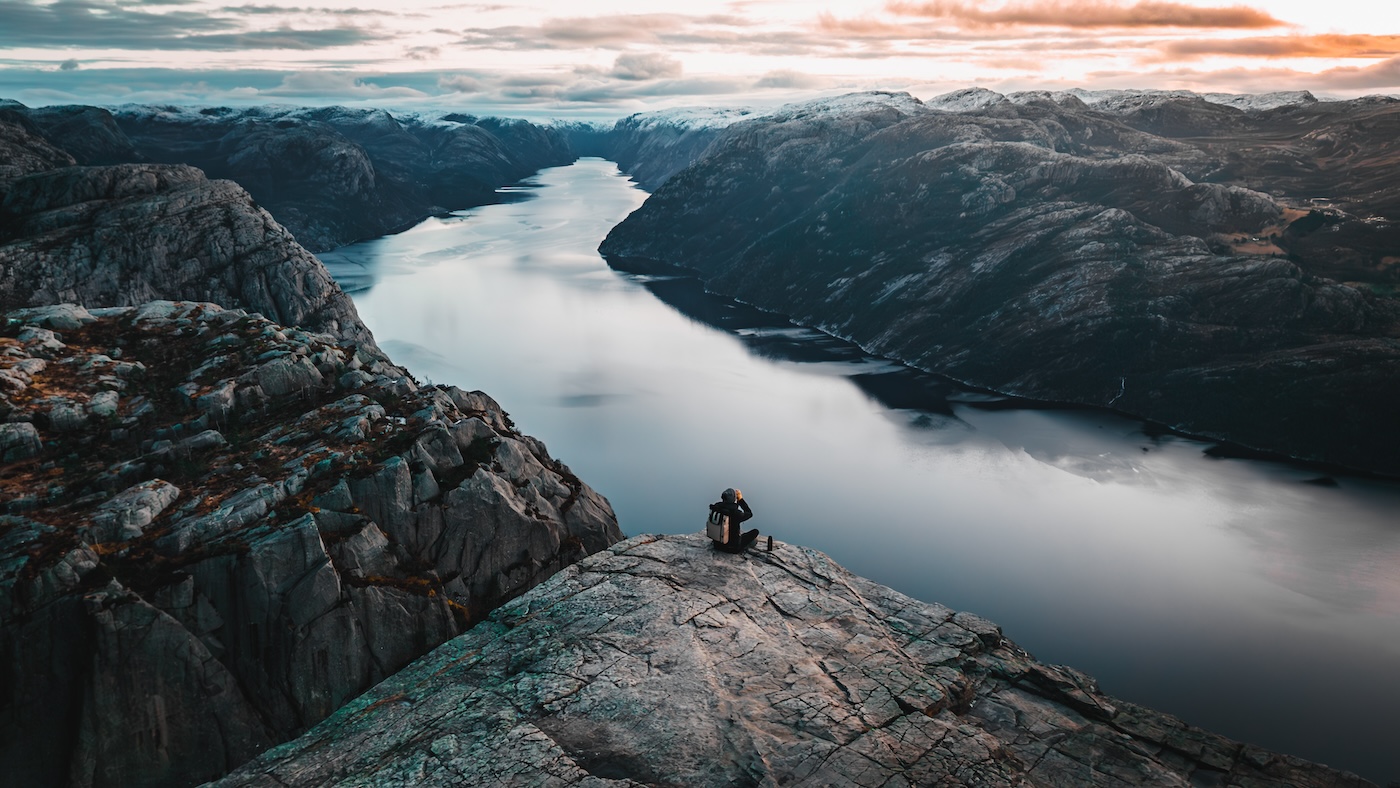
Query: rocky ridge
(652, 146)
(216, 530)
(1038, 246)
(661, 661)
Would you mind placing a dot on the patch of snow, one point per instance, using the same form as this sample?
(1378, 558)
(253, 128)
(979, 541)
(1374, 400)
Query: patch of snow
(965, 100)
(722, 117)
(1064, 98)
(689, 118)
(1261, 101)
(851, 103)
(1128, 100)
(1372, 99)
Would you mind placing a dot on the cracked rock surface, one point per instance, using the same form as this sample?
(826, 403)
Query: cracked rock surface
(662, 662)
(215, 530)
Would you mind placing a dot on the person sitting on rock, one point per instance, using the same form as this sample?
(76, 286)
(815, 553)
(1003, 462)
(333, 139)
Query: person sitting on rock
(733, 505)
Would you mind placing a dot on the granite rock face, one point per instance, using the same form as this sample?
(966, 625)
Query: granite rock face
(215, 530)
(331, 175)
(125, 234)
(1040, 246)
(91, 134)
(664, 662)
(23, 149)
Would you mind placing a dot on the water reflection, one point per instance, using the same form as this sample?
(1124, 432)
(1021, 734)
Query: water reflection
(1227, 591)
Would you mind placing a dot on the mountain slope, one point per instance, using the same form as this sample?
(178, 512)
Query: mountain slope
(1044, 248)
(331, 175)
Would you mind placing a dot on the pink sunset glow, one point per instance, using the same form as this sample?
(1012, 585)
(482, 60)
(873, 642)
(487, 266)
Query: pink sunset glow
(610, 58)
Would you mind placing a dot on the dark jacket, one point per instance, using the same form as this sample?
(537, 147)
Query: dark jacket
(738, 512)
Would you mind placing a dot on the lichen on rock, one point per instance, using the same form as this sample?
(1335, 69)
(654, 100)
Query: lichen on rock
(209, 542)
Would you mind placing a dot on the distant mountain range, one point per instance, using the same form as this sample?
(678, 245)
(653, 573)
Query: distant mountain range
(331, 175)
(1225, 265)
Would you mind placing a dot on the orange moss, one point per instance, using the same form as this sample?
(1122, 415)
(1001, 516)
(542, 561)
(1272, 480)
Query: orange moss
(370, 709)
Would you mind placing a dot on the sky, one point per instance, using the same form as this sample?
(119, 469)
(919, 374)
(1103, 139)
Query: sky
(607, 58)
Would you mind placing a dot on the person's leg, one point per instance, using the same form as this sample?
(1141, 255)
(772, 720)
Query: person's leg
(747, 539)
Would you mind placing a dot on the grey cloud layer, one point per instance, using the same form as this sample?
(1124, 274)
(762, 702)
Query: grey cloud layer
(648, 52)
(606, 92)
(112, 25)
(669, 30)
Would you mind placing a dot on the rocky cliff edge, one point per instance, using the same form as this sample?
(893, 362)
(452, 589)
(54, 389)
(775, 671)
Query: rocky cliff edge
(662, 662)
(215, 530)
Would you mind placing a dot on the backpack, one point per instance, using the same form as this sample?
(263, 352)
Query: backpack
(717, 526)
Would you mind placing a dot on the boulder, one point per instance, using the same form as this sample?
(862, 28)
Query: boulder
(56, 316)
(19, 442)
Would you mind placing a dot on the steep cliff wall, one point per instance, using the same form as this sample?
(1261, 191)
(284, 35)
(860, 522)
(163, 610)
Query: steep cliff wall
(23, 149)
(653, 146)
(216, 530)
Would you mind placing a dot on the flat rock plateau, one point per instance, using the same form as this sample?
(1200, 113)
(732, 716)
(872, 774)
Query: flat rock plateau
(662, 662)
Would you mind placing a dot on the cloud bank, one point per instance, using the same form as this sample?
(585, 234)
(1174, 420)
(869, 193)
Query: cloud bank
(601, 58)
(1091, 13)
(106, 24)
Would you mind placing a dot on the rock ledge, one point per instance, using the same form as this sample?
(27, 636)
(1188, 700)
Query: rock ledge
(662, 662)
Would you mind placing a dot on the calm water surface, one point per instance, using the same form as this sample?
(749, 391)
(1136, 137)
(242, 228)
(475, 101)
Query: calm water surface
(1231, 593)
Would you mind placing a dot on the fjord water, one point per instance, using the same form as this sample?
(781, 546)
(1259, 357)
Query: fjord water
(1235, 594)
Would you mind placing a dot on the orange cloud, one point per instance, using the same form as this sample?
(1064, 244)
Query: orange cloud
(1385, 74)
(1089, 14)
(873, 29)
(1325, 46)
(866, 27)
(610, 30)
